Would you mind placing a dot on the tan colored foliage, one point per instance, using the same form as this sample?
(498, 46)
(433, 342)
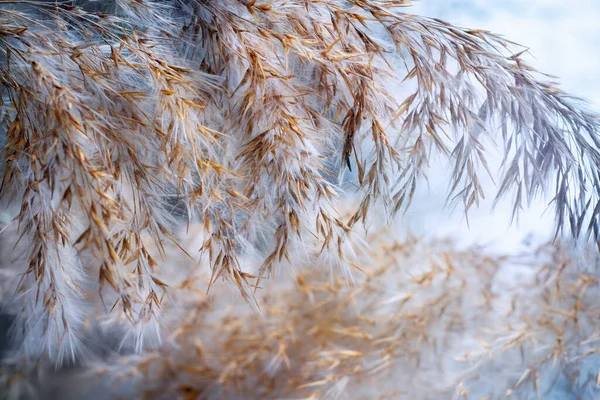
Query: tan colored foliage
(123, 122)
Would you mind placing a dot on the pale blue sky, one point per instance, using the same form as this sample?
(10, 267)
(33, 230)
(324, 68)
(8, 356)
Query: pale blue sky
(563, 36)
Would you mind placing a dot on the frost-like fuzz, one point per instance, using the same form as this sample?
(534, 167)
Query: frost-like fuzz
(123, 121)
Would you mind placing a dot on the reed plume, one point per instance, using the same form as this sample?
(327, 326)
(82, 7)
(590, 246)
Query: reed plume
(127, 124)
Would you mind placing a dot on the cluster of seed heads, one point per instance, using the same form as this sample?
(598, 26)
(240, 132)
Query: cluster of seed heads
(125, 121)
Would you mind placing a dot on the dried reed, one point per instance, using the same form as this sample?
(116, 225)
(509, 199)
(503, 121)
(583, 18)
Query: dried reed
(123, 121)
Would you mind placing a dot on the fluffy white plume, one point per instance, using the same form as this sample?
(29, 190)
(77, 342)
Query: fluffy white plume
(131, 126)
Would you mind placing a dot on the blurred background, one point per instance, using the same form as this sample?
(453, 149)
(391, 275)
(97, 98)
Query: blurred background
(563, 38)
